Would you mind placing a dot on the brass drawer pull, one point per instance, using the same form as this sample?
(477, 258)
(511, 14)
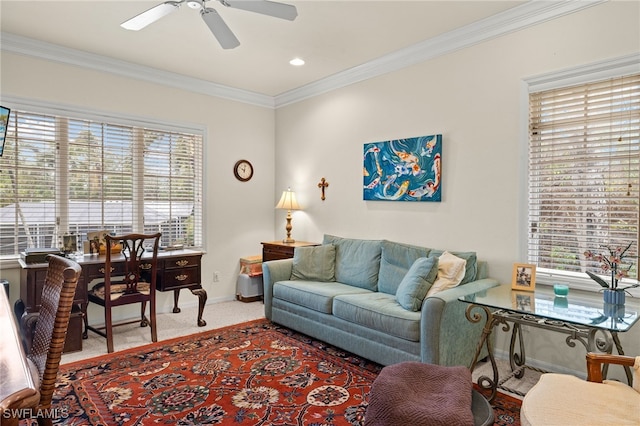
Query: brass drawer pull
(145, 266)
(103, 270)
(182, 262)
(181, 277)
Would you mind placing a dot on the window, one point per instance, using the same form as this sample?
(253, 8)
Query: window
(63, 175)
(584, 168)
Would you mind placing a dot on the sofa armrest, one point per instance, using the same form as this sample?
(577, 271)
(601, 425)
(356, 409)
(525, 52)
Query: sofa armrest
(272, 272)
(447, 337)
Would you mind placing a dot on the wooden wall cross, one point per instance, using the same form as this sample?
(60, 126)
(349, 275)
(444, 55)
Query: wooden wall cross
(322, 185)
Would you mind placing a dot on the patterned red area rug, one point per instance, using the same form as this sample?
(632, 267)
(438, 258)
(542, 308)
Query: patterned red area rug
(506, 408)
(255, 373)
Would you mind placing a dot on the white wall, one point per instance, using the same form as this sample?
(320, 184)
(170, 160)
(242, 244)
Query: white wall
(473, 98)
(237, 215)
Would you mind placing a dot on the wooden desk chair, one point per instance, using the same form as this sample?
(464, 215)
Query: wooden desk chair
(563, 399)
(48, 327)
(136, 284)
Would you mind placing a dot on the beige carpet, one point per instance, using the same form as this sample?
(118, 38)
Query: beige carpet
(170, 325)
(222, 314)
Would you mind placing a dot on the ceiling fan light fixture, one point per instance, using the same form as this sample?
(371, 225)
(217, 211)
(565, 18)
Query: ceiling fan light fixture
(150, 16)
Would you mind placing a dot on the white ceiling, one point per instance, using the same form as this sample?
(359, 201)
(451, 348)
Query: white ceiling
(333, 37)
(330, 35)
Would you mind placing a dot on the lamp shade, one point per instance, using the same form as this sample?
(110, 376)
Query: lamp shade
(288, 201)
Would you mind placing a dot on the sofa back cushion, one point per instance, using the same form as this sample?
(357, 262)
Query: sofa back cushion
(316, 263)
(357, 261)
(396, 260)
(471, 268)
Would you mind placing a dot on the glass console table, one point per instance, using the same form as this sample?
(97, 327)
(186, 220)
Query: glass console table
(581, 315)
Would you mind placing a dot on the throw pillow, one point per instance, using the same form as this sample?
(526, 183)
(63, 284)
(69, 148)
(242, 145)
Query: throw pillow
(395, 262)
(471, 269)
(417, 281)
(451, 270)
(316, 263)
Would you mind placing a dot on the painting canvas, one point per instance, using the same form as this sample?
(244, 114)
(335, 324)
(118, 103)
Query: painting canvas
(403, 169)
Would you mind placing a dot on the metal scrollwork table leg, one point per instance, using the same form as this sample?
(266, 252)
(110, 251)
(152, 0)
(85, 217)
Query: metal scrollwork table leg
(484, 382)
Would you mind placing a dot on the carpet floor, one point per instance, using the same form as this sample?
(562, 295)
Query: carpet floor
(255, 373)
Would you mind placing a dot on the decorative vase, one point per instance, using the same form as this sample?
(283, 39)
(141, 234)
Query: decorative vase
(614, 297)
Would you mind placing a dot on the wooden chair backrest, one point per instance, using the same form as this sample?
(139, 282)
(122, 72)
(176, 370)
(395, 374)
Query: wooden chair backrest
(52, 323)
(136, 268)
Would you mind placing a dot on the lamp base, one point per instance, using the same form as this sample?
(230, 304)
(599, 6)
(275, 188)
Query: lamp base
(288, 240)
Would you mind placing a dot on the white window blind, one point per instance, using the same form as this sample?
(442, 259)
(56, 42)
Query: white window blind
(584, 164)
(65, 175)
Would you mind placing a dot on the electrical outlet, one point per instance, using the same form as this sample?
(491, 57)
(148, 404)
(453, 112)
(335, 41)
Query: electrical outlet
(216, 276)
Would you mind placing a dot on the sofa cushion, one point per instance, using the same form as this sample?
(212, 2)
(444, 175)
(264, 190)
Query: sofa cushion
(451, 270)
(396, 259)
(471, 268)
(378, 311)
(315, 263)
(313, 294)
(357, 261)
(417, 281)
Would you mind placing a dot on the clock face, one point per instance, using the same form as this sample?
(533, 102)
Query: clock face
(243, 170)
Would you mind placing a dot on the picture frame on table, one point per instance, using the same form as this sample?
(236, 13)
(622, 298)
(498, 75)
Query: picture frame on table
(523, 277)
(69, 244)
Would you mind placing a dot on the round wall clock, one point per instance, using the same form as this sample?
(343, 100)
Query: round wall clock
(243, 170)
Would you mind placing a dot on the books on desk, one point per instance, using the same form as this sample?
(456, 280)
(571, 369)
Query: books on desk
(38, 255)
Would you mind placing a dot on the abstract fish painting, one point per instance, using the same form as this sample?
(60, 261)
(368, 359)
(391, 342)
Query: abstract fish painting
(403, 169)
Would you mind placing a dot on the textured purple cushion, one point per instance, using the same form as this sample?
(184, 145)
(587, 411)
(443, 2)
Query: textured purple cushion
(413, 393)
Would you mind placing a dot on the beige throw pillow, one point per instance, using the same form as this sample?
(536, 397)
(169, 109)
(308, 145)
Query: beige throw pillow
(450, 273)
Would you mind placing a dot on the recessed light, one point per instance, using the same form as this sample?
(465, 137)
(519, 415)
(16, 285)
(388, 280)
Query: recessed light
(296, 62)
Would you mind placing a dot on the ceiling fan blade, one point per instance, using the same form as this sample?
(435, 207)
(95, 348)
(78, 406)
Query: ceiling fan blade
(219, 28)
(150, 16)
(265, 7)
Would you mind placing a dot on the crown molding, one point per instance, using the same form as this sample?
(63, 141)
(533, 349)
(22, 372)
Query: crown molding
(56, 53)
(519, 17)
(511, 20)
(608, 68)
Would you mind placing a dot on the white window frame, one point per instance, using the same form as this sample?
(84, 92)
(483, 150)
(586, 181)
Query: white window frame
(601, 70)
(42, 107)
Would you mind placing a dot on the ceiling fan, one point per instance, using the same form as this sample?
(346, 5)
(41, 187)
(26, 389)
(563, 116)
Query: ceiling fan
(214, 21)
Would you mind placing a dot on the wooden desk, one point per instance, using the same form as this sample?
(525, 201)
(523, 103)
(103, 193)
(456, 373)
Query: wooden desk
(18, 387)
(177, 270)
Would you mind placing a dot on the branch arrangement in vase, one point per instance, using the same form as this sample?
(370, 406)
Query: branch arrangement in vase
(613, 263)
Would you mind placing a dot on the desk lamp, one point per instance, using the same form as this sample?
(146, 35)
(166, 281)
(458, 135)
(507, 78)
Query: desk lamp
(288, 202)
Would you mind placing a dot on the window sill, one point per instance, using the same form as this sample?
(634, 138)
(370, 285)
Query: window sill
(575, 280)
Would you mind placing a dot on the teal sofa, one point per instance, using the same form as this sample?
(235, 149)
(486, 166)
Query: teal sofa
(368, 298)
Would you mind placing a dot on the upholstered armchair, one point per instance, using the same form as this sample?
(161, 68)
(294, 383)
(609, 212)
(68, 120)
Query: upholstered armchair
(562, 399)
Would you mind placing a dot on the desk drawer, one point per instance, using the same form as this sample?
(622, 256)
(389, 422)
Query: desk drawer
(172, 279)
(181, 262)
(97, 271)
